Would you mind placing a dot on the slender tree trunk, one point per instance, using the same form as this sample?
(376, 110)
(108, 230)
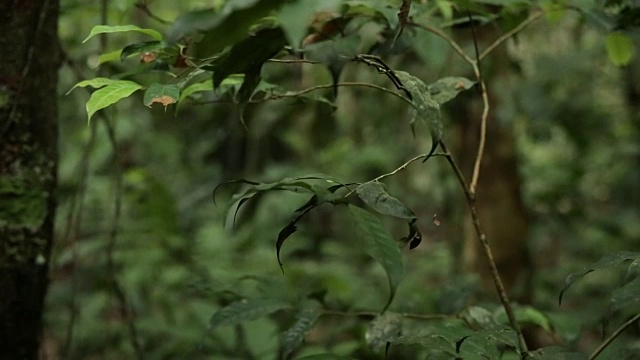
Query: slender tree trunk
(28, 157)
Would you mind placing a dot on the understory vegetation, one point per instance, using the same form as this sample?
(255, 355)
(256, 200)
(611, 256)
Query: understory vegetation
(347, 179)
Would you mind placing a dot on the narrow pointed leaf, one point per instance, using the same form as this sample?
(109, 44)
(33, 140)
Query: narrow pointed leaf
(236, 181)
(293, 337)
(609, 260)
(105, 29)
(110, 95)
(246, 310)
(403, 18)
(95, 83)
(248, 55)
(380, 246)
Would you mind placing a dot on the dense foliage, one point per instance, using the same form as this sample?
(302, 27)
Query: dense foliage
(261, 189)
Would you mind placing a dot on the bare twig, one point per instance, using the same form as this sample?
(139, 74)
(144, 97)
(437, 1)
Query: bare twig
(483, 133)
(401, 167)
(73, 226)
(294, 61)
(366, 313)
(446, 38)
(502, 293)
(144, 7)
(113, 235)
(613, 336)
(293, 94)
(533, 17)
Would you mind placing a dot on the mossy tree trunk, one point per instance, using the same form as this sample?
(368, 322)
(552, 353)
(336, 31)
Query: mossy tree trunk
(28, 157)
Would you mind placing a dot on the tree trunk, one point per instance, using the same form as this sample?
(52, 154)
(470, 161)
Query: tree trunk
(28, 163)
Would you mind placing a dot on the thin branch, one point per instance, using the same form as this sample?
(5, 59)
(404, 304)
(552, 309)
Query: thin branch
(483, 133)
(294, 61)
(368, 313)
(502, 294)
(401, 167)
(290, 94)
(117, 210)
(446, 38)
(535, 16)
(113, 235)
(613, 336)
(144, 7)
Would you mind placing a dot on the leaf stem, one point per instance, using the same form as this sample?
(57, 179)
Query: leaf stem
(482, 237)
(398, 169)
(613, 336)
(446, 38)
(290, 94)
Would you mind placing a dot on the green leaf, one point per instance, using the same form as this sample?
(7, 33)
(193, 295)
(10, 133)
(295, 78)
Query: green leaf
(375, 195)
(619, 48)
(246, 310)
(161, 93)
(335, 54)
(608, 261)
(105, 29)
(484, 343)
(447, 88)
(109, 57)
(109, 95)
(321, 196)
(94, 83)
(206, 85)
(293, 337)
(434, 342)
(383, 329)
(380, 246)
(479, 318)
(627, 297)
(426, 108)
(222, 28)
(248, 55)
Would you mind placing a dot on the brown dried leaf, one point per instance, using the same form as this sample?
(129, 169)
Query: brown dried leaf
(164, 100)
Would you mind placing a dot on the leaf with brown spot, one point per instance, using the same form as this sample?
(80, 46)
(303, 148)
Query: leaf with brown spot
(161, 94)
(148, 57)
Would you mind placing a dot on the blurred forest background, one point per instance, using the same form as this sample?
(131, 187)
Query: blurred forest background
(558, 188)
